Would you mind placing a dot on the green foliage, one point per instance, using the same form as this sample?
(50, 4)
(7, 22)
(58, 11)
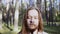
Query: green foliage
(58, 17)
(6, 30)
(52, 29)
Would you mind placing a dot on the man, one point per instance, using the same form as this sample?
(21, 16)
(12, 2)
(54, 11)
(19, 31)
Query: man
(32, 22)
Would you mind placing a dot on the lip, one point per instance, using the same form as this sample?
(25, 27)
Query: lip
(31, 24)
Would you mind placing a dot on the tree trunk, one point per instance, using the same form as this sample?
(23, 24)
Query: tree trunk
(0, 14)
(16, 20)
(16, 16)
(46, 14)
(0, 19)
(39, 4)
(51, 12)
(7, 12)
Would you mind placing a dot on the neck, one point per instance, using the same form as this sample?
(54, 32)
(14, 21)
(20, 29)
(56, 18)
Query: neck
(33, 32)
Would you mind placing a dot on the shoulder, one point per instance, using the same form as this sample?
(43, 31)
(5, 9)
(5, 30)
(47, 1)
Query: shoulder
(45, 32)
(42, 32)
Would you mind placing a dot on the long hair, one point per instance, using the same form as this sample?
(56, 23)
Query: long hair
(24, 24)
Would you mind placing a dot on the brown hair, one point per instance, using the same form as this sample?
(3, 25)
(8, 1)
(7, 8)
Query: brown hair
(24, 25)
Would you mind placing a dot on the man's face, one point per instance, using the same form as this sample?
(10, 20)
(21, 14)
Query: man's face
(32, 20)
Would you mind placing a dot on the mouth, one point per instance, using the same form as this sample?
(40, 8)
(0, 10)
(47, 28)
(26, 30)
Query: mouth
(32, 25)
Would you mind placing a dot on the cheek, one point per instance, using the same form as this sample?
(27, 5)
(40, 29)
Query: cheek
(36, 21)
(28, 21)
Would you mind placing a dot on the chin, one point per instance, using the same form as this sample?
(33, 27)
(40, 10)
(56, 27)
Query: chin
(32, 28)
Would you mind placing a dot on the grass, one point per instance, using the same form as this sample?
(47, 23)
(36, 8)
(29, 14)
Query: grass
(8, 30)
(48, 29)
(52, 29)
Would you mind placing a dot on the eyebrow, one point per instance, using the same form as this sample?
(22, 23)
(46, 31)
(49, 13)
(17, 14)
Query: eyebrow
(34, 16)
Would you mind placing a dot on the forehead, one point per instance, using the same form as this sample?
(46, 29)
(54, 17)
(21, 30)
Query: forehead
(33, 12)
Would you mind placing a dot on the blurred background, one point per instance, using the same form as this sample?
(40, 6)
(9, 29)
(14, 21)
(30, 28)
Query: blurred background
(12, 11)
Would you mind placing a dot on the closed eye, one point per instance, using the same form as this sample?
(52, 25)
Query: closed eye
(29, 17)
(35, 17)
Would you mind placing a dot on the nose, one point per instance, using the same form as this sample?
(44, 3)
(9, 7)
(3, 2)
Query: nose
(32, 20)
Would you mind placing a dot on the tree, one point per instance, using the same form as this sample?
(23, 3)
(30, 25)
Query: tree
(46, 11)
(39, 4)
(51, 11)
(0, 14)
(16, 16)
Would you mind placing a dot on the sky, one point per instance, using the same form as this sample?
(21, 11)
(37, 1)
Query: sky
(4, 1)
(24, 1)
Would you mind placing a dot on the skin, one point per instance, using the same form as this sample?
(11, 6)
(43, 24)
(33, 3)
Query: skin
(32, 20)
